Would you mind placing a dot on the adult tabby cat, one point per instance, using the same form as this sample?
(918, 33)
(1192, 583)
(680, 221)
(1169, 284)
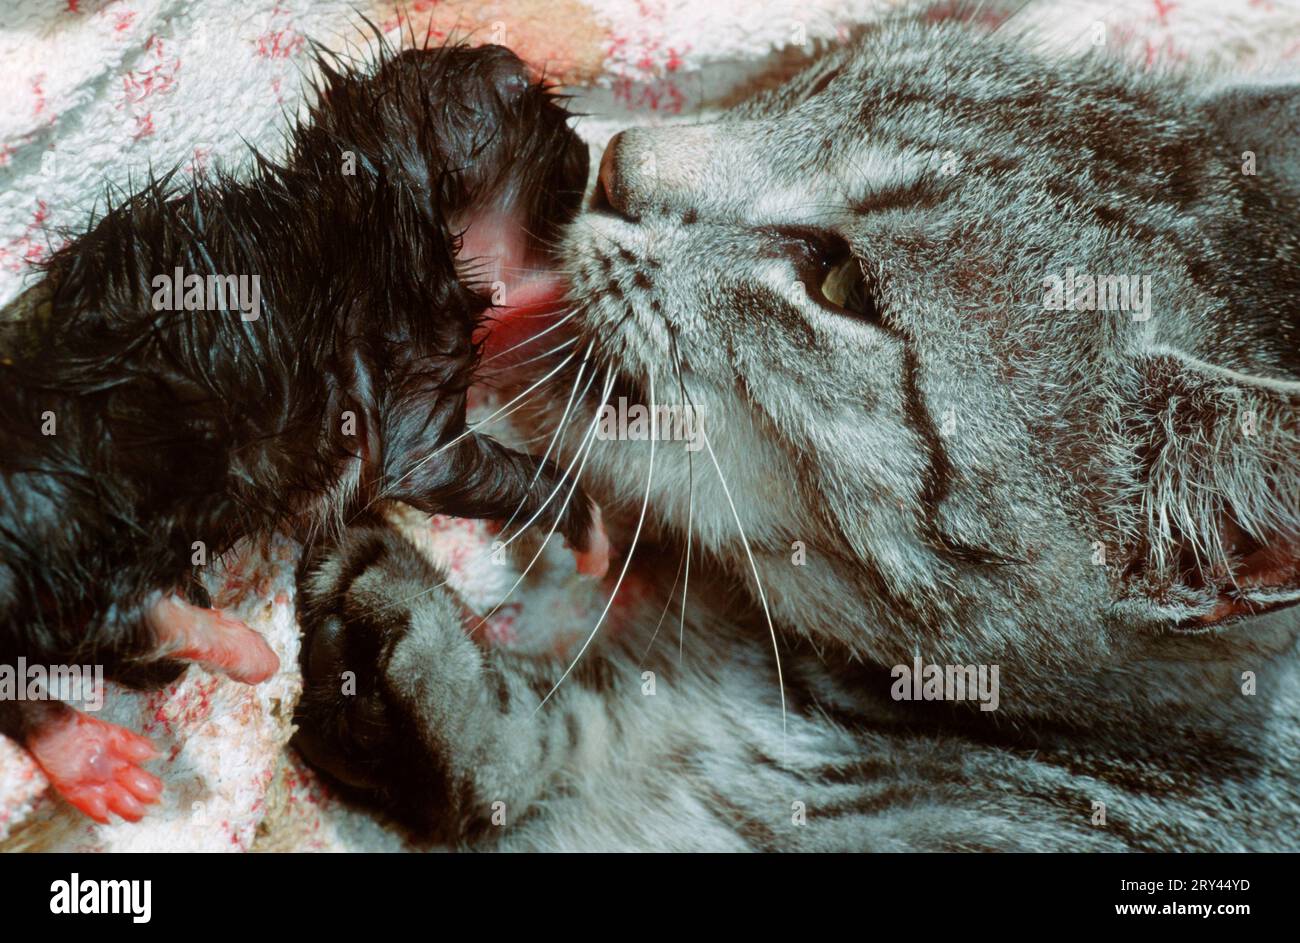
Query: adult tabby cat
(926, 439)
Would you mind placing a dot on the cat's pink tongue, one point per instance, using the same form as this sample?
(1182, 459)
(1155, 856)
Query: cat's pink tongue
(532, 308)
(528, 300)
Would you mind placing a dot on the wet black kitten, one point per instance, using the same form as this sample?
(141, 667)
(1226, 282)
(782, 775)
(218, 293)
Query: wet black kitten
(129, 434)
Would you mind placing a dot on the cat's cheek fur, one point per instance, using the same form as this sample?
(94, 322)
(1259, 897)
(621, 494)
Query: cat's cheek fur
(977, 492)
(972, 478)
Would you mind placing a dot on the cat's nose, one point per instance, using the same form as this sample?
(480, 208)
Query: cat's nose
(613, 181)
(645, 168)
(670, 168)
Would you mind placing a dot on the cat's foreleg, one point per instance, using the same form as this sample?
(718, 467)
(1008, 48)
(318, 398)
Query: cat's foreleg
(402, 706)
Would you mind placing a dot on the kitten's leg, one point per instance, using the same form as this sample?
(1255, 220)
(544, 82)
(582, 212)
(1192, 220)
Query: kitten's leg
(401, 704)
(481, 478)
(95, 765)
(92, 764)
(217, 642)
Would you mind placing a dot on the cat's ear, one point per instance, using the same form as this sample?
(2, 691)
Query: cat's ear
(1260, 121)
(1216, 464)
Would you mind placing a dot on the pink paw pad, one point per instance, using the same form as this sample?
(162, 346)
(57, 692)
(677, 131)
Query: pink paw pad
(94, 765)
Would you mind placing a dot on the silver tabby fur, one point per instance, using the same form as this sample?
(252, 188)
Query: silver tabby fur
(975, 480)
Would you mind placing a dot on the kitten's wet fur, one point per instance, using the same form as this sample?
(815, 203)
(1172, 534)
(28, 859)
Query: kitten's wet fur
(1108, 508)
(182, 426)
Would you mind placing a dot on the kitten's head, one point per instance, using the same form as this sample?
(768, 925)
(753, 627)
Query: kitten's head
(486, 151)
(871, 285)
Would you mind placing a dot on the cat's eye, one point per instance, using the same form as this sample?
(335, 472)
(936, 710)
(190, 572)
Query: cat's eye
(845, 287)
(832, 275)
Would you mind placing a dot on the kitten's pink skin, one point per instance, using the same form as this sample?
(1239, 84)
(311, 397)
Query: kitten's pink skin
(215, 641)
(531, 298)
(594, 561)
(94, 765)
(494, 247)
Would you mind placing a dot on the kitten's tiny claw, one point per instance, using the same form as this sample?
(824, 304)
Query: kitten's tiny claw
(594, 561)
(145, 785)
(93, 765)
(215, 641)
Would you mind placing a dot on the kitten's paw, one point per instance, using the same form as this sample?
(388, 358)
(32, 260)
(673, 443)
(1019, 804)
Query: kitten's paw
(216, 641)
(594, 561)
(95, 765)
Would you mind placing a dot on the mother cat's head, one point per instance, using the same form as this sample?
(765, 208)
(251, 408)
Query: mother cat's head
(874, 281)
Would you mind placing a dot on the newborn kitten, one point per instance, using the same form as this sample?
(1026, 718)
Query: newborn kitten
(139, 437)
(927, 440)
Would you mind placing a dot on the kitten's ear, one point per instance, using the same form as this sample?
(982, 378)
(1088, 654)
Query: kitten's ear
(1263, 118)
(1217, 463)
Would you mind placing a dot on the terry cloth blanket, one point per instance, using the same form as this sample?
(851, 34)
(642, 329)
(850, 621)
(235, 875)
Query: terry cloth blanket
(98, 91)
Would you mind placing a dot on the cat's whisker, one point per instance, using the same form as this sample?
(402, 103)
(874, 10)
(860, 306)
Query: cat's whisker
(668, 601)
(627, 562)
(490, 377)
(549, 353)
(513, 406)
(526, 269)
(690, 495)
(758, 582)
(531, 339)
(537, 316)
(684, 561)
(584, 452)
(551, 245)
(555, 438)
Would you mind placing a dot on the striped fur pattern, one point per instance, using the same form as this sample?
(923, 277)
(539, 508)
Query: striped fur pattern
(1100, 499)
